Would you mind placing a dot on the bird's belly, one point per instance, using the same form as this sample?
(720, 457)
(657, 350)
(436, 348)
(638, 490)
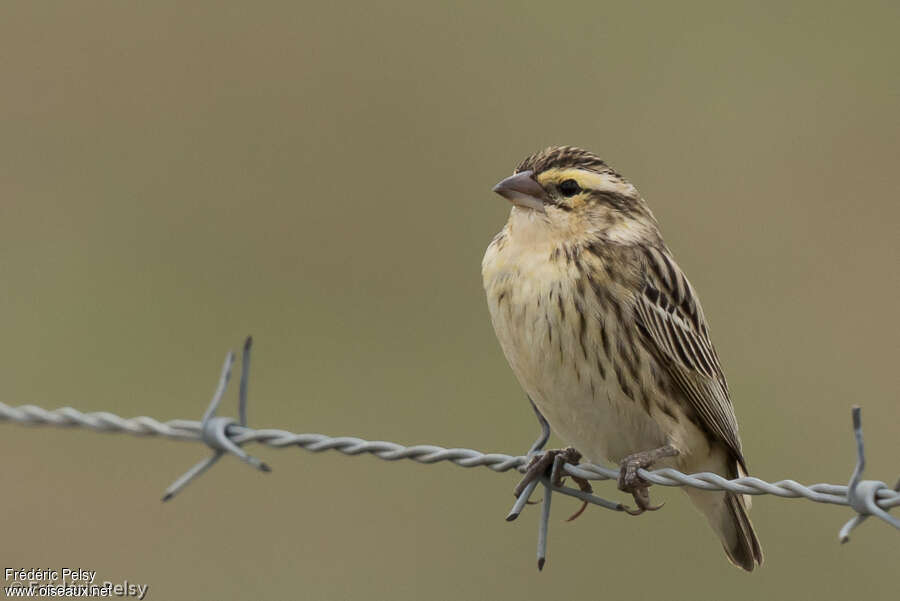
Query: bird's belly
(605, 427)
(575, 386)
(596, 417)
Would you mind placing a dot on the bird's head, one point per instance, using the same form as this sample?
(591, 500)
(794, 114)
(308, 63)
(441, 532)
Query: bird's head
(571, 193)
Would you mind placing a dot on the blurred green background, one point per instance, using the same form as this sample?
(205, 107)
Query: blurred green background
(174, 176)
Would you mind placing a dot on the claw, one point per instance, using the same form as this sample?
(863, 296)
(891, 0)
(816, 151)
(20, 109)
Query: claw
(585, 486)
(642, 499)
(631, 511)
(581, 509)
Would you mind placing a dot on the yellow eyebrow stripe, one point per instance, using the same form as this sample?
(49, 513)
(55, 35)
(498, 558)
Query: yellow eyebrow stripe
(588, 180)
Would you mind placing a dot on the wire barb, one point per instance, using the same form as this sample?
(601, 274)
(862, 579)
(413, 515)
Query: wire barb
(525, 488)
(862, 494)
(216, 431)
(523, 497)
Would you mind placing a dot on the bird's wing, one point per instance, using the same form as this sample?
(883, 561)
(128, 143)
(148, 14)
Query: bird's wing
(672, 323)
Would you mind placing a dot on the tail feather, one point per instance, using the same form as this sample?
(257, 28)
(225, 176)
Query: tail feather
(738, 536)
(727, 514)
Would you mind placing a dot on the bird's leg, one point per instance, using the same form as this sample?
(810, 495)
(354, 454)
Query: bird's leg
(542, 463)
(537, 447)
(544, 436)
(630, 482)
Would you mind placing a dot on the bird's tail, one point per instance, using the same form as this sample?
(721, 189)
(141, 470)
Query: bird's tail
(727, 514)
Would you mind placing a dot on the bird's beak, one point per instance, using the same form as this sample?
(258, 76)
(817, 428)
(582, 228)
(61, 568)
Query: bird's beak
(521, 189)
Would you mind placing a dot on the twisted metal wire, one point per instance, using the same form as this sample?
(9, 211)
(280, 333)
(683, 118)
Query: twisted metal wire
(224, 435)
(191, 430)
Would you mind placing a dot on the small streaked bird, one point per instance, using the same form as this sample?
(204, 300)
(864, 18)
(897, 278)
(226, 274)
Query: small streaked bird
(607, 337)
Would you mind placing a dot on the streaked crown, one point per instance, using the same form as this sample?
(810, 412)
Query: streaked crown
(563, 157)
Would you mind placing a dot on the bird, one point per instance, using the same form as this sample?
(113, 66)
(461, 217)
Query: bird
(607, 337)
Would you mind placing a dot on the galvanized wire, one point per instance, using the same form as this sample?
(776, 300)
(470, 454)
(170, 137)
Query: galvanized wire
(190, 430)
(226, 436)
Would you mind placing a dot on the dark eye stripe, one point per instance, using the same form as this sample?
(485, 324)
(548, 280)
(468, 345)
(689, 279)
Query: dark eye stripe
(613, 199)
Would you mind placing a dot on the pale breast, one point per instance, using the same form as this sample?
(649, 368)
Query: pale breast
(560, 327)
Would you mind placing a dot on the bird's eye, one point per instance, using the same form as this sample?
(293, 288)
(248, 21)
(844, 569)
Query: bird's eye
(569, 188)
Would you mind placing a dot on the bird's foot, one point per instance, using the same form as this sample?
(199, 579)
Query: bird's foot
(631, 482)
(542, 465)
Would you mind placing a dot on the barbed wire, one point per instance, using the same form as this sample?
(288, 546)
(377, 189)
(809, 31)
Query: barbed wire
(226, 435)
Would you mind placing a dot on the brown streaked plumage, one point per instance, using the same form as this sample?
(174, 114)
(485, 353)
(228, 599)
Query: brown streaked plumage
(607, 336)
